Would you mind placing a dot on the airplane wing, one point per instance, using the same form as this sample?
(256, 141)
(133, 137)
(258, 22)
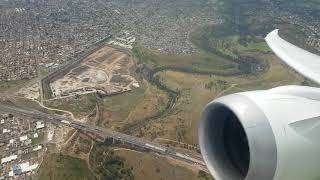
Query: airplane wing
(302, 61)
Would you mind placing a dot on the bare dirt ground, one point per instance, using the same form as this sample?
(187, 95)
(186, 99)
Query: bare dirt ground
(107, 70)
(30, 92)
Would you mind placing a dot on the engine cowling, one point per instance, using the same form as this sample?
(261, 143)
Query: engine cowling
(263, 135)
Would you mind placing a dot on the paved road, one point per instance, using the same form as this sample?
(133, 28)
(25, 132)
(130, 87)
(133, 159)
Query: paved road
(106, 133)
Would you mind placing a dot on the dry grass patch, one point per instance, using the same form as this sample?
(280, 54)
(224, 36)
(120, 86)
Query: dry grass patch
(198, 90)
(151, 166)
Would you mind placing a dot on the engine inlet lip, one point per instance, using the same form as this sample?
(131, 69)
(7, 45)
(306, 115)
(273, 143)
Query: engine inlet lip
(262, 146)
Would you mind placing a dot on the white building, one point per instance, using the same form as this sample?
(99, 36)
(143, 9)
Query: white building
(37, 148)
(23, 138)
(5, 131)
(9, 159)
(11, 141)
(39, 125)
(135, 84)
(35, 135)
(26, 167)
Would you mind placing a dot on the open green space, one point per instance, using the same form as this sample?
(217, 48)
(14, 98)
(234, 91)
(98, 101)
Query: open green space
(150, 166)
(39, 139)
(203, 175)
(61, 167)
(11, 86)
(121, 111)
(107, 165)
(43, 71)
(258, 23)
(80, 106)
(201, 62)
(227, 42)
(198, 90)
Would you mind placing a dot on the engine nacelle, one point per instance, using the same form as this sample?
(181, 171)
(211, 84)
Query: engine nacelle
(263, 135)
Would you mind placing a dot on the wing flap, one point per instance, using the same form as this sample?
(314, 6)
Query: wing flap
(302, 61)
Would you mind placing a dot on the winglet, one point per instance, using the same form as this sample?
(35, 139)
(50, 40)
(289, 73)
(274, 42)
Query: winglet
(302, 61)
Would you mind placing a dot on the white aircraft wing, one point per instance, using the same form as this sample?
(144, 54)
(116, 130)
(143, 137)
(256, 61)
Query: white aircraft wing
(302, 61)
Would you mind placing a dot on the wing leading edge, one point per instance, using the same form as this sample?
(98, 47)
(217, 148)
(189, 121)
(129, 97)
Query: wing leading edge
(302, 61)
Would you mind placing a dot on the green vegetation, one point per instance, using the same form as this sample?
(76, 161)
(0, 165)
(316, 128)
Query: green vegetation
(204, 176)
(197, 90)
(83, 145)
(119, 106)
(147, 166)
(124, 110)
(224, 41)
(259, 46)
(39, 139)
(11, 86)
(205, 62)
(79, 105)
(202, 62)
(43, 72)
(257, 25)
(24, 103)
(61, 167)
(107, 165)
(230, 46)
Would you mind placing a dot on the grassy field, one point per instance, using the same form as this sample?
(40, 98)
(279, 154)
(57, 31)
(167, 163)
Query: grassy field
(259, 46)
(224, 40)
(118, 111)
(12, 86)
(149, 166)
(24, 104)
(115, 163)
(107, 165)
(198, 90)
(80, 106)
(227, 50)
(62, 167)
(205, 62)
(80, 145)
(241, 49)
(41, 137)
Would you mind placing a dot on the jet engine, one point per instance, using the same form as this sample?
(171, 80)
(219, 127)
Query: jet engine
(263, 135)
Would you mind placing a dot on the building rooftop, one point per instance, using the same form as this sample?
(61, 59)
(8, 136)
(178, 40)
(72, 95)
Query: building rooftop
(8, 159)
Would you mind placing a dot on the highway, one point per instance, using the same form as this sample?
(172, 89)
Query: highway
(106, 133)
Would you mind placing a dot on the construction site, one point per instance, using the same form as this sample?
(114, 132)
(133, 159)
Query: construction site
(107, 71)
